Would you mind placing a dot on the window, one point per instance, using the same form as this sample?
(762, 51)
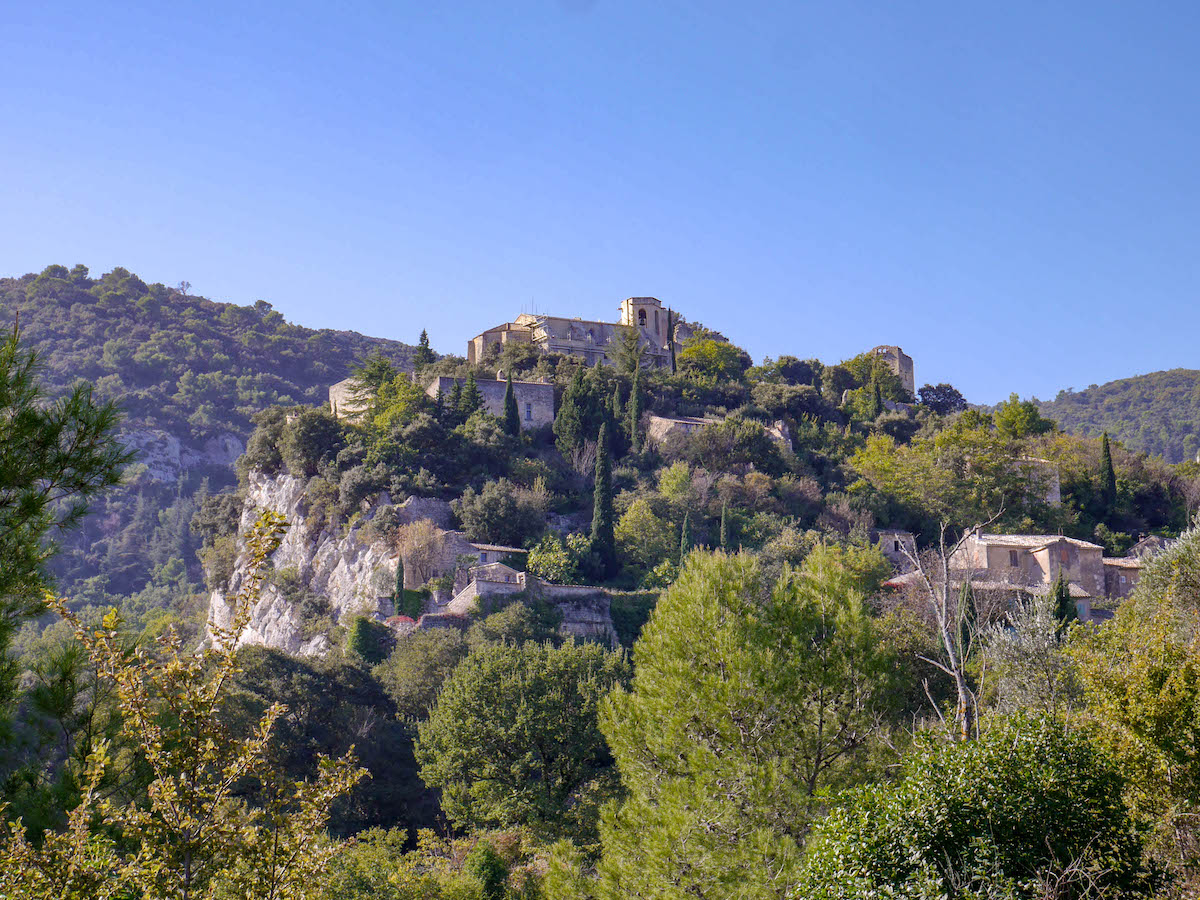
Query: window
(657, 328)
(895, 546)
(528, 412)
(1064, 556)
(642, 317)
(1122, 579)
(482, 556)
(1014, 558)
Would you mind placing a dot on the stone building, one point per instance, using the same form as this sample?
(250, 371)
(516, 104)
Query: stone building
(343, 403)
(900, 363)
(1032, 562)
(589, 340)
(899, 546)
(535, 399)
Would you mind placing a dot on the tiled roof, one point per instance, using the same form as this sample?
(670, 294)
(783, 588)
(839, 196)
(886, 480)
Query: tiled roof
(1123, 562)
(497, 548)
(1034, 541)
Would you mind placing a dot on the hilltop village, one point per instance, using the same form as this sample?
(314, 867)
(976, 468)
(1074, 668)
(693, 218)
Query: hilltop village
(534, 372)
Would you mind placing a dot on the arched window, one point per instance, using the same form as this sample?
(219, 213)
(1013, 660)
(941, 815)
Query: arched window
(642, 317)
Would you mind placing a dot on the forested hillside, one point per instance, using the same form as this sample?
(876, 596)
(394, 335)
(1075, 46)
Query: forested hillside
(1157, 413)
(189, 373)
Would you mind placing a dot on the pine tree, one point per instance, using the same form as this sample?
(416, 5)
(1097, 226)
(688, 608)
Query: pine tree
(423, 355)
(1108, 478)
(634, 409)
(472, 399)
(724, 527)
(777, 708)
(685, 537)
(439, 406)
(455, 407)
(603, 540)
(512, 418)
(1064, 605)
(569, 423)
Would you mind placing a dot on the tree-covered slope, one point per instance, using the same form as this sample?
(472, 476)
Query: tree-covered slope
(1157, 413)
(189, 374)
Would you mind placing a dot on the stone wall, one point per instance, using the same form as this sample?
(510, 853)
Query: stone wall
(535, 399)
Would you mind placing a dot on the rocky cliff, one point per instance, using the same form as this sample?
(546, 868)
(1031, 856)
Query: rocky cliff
(351, 572)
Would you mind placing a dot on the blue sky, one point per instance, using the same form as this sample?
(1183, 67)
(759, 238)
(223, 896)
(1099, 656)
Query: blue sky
(1009, 191)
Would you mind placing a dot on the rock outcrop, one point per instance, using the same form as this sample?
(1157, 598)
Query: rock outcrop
(353, 571)
(354, 575)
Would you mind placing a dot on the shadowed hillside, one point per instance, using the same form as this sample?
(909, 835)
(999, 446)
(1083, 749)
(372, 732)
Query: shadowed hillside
(1157, 413)
(190, 373)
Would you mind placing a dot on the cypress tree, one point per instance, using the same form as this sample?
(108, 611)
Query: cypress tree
(398, 593)
(423, 355)
(569, 423)
(455, 408)
(671, 337)
(634, 410)
(618, 408)
(724, 528)
(472, 399)
(685, 537)
(1108, 478)
(603, 540)
(439, 406)
(512, 418)
(1064, 605)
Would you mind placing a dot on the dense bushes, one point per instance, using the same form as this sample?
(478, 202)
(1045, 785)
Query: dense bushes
(1029, 810)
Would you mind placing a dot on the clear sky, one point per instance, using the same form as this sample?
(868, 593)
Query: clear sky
(1009, 190)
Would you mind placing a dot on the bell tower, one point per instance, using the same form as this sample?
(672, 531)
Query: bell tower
(647, 314)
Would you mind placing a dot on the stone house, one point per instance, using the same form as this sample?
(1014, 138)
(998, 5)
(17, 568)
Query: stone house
(900, 547)
(588, 340)
(1033, 560)
(535, 399)
(1121, 576)
(1032, 563)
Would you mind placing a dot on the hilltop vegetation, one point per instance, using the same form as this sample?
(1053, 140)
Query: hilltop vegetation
(181, 368)
(786, 725)
(1157, 413)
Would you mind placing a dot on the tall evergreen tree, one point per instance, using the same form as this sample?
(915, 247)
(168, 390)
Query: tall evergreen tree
(1108, 478)
(423, 355)
(512, 418)
(1063, 605)
(472, 398)
(398, 591)
(455, 407)
(618, 408)
(685, 537)
(671, 322)
(724, 526)
(634, 412)
(604, 544)
(569, 424)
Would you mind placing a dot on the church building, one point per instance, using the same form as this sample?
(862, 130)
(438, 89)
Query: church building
(591, 341)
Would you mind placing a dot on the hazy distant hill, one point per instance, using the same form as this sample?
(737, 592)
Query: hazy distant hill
(190, 373)
(1158, 413)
